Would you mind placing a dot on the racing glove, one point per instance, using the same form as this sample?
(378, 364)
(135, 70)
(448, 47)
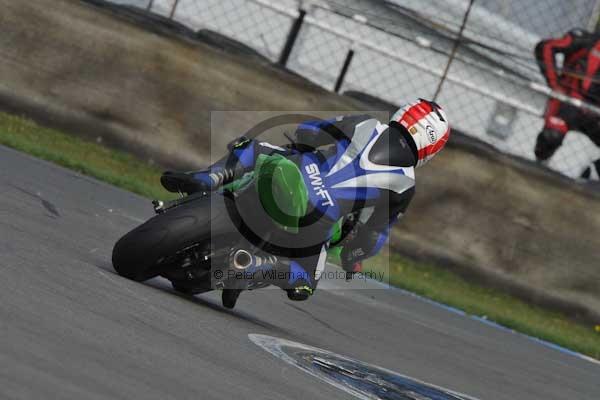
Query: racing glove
(358, 248)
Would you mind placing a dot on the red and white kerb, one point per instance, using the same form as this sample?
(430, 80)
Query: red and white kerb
(428, 126)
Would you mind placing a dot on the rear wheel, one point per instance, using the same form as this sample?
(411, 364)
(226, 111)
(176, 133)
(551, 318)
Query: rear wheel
(150, 249)
(190, 290)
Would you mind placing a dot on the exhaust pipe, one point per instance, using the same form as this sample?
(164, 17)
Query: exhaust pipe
(242, 259)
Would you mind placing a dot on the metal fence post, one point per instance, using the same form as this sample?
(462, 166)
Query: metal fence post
(291, 39)
(454, 49)
(344, 71)
(150, 5)
(174, 9)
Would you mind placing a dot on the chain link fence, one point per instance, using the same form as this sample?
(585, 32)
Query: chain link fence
(475, 57)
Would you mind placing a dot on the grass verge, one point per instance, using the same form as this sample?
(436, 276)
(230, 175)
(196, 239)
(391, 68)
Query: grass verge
(112, 166)
(124, 170)
(447, 287)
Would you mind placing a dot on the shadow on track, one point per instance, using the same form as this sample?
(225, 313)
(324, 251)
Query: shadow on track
(163, 286)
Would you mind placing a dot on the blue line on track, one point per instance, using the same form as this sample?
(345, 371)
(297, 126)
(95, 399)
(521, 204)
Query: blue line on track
(490, 323)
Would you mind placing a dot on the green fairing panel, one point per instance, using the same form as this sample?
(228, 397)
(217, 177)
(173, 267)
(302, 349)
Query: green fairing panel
(288, 202)
(282, 191)
(336, 236)
(241, 183)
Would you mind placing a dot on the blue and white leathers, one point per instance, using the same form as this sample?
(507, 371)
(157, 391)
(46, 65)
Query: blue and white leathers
(350, 177)
(351, 164)
(370, 171)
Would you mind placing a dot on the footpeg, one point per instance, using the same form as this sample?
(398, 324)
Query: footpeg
(162, 206)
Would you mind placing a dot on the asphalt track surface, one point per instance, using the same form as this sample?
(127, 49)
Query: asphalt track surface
(70, 328)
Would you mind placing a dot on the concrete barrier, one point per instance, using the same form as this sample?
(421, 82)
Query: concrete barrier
(95, 72)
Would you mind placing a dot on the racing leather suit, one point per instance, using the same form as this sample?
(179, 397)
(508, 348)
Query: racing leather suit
(578, 78)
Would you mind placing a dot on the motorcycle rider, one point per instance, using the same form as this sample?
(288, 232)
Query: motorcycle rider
(577, 78)
(367, 169)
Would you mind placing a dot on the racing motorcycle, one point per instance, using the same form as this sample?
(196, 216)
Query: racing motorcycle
(197, 243)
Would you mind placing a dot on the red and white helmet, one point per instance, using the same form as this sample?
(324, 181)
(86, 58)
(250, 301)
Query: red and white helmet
(428, 127)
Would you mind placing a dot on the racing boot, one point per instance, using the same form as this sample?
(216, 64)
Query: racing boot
(183, 182)
(222, 172)
(300, 293)
(194, 182)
